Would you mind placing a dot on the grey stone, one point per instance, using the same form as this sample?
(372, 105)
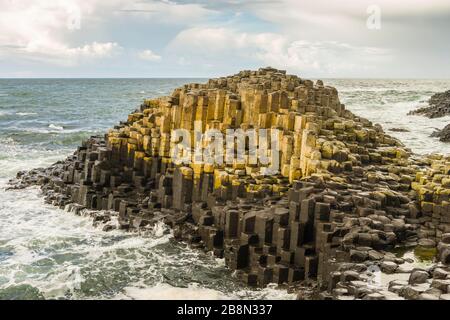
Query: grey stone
(428, 296)
(374, 296)
(412, 292)
(427, 243)
(440, 273)
(375, 255)
(440, 284)
(445, 296)
(418, 276)
(388, 267)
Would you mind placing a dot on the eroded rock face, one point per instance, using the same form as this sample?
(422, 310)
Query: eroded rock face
(343, 194)
(439, 106)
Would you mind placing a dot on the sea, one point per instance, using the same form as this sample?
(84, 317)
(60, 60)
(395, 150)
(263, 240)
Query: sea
(49, 253)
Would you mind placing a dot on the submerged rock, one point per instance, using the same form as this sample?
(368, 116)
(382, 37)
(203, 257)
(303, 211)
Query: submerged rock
(439, 106)
(399, 130)
(443, 135)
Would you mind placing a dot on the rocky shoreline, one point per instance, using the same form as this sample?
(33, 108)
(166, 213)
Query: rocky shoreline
(439, 106)
(443, 135)
(346, 196)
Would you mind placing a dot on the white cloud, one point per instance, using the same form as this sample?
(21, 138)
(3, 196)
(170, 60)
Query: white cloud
(37, 30)
(324, 58)
(149, 55)
(294, 8)
(169, 12)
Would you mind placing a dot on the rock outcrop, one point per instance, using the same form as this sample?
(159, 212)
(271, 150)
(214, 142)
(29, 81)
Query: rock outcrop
(439, 106)
(443, 135)
(314, 194)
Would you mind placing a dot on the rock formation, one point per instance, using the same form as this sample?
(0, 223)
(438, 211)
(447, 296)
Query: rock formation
(439, 106)
(443, 135)
(342, 195)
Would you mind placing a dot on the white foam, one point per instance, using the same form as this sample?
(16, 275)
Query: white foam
(26, 113)
(194, 291)
(58, 252)
(55, 127)
(164, 291)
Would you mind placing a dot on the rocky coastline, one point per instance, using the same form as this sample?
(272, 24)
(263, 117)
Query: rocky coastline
(439, 106)
(346, 198)
(443, 135)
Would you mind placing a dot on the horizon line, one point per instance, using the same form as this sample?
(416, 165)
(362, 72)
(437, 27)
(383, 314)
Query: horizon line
(212, 77)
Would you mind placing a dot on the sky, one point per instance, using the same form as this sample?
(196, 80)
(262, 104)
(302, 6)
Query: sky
(201, 38)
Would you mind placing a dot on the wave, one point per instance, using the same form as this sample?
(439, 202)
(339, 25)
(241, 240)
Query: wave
(64, 256)
(164, 291)
(52, 126)
(26, 113)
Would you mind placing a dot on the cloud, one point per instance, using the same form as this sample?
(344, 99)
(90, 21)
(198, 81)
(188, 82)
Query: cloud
(324, 58)
(312, 38)
(169, 12)
(36, 30)
(292, 8)
(149, 55)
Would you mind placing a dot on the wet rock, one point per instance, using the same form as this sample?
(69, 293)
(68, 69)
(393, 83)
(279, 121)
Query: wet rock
(445, 238)
(375, 255)
(418, 276)
(428, 296)
(443, 134)
(374, 296)
(445, 297)
(439, 273)
(439, 106)
(413, 292)
(349, 275)
(358, 256)
(427, 243)
(388, 267)
(441, 285)
(109, 227)
(398, 130)
(445, 256)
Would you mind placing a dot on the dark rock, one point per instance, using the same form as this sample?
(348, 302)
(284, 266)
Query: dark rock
(439, 273)
(413, 292)
(443, 134)
(442, 285)
(109, 227)
(418, 276)
(358, 256)
(439, 106)
(398, 130)
(388, 266)
(445, 256)
(427, 243)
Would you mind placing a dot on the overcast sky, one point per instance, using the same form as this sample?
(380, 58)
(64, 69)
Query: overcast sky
(147, 38)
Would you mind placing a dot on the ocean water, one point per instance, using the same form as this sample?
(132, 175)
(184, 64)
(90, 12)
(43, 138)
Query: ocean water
(47, 253)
